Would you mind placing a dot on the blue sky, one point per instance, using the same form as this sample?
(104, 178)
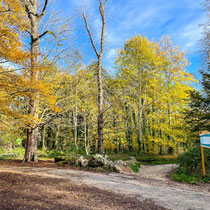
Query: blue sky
(179, 19)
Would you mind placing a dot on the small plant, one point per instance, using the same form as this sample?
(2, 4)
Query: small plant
(135, 167)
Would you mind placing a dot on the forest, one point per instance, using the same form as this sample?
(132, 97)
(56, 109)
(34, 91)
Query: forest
(104, 104)
(52, 100)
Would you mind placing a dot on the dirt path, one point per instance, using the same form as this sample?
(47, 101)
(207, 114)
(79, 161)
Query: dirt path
(158, 172)
(150, 183)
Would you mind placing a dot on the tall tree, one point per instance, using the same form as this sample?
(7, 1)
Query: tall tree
(199, 113)
(99, 72)
(31, 8)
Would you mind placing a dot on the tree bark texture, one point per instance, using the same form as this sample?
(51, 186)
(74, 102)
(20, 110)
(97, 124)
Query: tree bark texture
(34, 19)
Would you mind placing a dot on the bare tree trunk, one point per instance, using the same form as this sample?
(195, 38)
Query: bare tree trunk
(139, 117)
(43, 138)
(99, 73)
(100, 108)
(86, 136)
(34, 18)
(75, 127)
(128, 131)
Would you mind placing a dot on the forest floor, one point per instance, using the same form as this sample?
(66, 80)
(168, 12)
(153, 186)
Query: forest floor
(42, 186)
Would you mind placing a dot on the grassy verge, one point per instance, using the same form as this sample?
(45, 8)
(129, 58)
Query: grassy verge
(190, 167)
(146, 159)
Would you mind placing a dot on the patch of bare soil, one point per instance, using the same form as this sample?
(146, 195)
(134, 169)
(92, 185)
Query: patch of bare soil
(19, 191)
(157, 172)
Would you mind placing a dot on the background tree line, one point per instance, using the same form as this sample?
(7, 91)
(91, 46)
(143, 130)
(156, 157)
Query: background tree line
(49, 99)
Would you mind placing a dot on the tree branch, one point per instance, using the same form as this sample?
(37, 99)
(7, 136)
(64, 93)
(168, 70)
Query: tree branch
(43, 34)
(101, 5)
(102, 13)
(44, 9)
(32, 3)
(105, 3)
(90, 35)
(5, 11)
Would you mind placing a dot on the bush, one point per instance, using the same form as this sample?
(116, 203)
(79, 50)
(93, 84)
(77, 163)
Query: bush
(190, 166)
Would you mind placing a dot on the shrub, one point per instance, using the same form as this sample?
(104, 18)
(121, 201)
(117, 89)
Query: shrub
(190, 166)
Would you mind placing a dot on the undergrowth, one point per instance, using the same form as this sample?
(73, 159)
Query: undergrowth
(190, 167)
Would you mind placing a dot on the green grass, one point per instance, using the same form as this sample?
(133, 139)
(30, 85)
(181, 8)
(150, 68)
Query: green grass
(189, 179)
(146, 159)
(158, 162)
(135, 167)
(120, 156)
(156, 159)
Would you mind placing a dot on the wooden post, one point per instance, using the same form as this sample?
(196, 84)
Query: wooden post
(203, 162)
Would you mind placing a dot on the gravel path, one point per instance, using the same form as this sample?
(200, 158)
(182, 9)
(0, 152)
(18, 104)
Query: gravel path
(150, 183)
(158, 172)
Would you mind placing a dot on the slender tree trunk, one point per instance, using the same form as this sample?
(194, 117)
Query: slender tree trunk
(139, 130)
(43, 138)
(128, 128)
(55, 141)
(99, 73)
(100, 108)
(86, 136)
(139, 116)
(75, 127)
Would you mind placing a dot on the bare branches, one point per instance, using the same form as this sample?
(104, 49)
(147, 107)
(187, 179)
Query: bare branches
(90, 35)
(29, 3)
(44, 9)
(101, 4)
(43, 34)
(105, 3)
(102, 13)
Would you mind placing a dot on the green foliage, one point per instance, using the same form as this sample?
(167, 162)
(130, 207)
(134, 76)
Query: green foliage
(135, 167)
(18, 141)
(17, 152)
(184, 178)
(51, 154)
(190, 166)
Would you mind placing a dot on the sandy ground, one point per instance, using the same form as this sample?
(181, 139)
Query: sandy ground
(150, 183)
